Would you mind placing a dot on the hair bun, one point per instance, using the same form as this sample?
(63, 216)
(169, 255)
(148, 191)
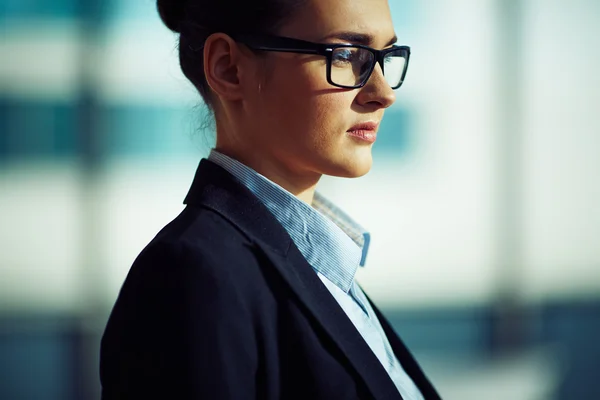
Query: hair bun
(172, 13)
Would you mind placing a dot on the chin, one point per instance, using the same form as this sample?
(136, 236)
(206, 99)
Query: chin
(355, 168)
(358, 172)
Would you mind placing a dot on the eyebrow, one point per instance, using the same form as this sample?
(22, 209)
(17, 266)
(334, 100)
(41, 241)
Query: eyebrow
(359, 38)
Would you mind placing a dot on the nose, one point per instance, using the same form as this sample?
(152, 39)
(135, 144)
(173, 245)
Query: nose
(376, 93)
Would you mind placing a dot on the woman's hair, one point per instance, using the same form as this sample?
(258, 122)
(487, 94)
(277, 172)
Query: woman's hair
(195, 20)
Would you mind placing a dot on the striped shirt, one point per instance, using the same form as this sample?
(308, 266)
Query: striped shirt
(334, 245)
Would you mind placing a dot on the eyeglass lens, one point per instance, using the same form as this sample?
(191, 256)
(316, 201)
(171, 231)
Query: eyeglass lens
(350, 66)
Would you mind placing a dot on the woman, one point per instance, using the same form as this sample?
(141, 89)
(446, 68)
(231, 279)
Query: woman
(250, 293)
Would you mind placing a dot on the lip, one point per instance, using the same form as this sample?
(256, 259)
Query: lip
(365, 131)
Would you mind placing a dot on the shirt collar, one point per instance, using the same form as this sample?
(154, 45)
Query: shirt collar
(332, 243)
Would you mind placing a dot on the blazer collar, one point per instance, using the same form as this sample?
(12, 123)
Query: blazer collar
(215, 188)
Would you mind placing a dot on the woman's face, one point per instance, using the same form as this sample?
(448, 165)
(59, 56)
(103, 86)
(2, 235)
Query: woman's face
(297, 120)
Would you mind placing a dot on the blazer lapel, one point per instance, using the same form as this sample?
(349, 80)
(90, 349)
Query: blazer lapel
(309, 289)
(215, 188)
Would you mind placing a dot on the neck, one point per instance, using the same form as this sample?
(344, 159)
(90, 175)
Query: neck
(302, 186)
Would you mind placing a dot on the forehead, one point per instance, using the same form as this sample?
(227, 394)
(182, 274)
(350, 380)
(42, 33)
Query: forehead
(322, 18)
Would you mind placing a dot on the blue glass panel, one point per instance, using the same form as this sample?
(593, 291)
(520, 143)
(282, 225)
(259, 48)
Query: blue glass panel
(3, 130)
(575, 326)
(35, 366)
(152, 130)
(38, 8)
(134, 10)
(37, 129)
(464, 330)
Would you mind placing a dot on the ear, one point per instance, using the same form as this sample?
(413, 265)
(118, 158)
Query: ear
(222, 66)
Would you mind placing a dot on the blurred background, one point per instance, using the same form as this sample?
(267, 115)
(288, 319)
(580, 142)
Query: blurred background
(483, 202)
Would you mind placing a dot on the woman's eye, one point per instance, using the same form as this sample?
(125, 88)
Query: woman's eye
(343, 56)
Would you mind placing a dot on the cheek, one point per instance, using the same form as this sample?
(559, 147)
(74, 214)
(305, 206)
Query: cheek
(332, 112)
(312, 112)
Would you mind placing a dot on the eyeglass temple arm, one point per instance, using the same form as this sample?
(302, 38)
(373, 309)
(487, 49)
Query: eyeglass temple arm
(281, 44)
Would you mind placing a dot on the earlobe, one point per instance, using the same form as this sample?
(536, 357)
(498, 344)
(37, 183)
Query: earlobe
(221, 66)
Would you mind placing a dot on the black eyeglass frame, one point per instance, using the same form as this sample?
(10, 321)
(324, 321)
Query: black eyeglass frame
(291, 45)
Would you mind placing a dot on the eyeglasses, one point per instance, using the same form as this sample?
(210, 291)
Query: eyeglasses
(349, 66)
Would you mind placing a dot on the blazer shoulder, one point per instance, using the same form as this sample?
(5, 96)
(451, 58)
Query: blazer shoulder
(199, 249)
(202, 229)
(184, 319)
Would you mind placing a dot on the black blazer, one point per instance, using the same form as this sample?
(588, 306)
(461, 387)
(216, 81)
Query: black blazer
(222, 305)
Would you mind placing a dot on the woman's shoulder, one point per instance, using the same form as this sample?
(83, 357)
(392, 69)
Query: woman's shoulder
(197, 278)
(199, 247)
(203, 230)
